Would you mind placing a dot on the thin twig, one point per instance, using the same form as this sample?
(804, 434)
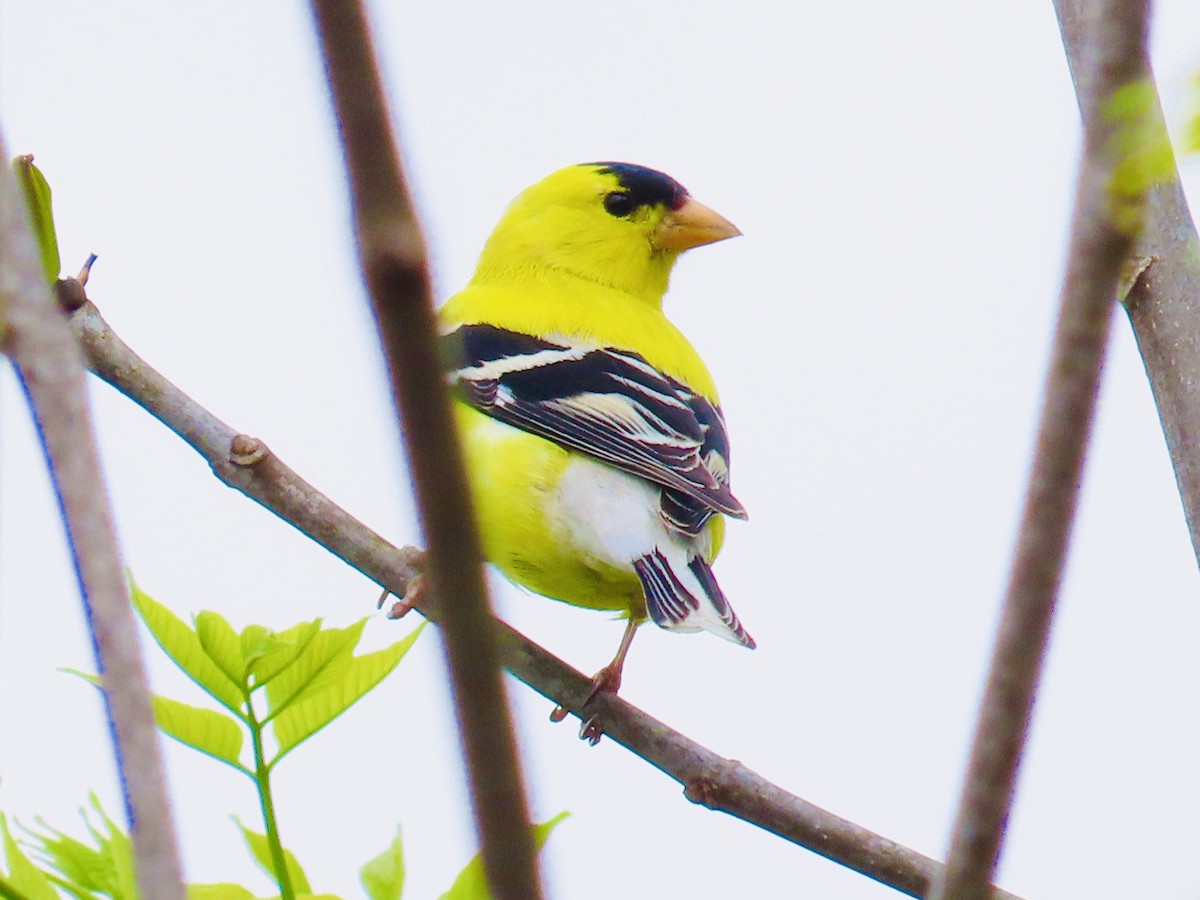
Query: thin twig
(1163, 304)
(392, 254)
(1106, 220)
(708, 779)
(50, 368)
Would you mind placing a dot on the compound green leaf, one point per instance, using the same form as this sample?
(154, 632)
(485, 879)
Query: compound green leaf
(329, 697)
(182, 644)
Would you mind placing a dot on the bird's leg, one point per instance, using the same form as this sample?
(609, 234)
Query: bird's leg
(606, 681)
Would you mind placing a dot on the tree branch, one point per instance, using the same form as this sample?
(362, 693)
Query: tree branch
(245, 464)
(1109, 205)
(1163, 304)
(48, 363)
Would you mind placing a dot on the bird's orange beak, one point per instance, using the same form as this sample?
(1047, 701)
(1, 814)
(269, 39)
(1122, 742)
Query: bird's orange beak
(692, 225)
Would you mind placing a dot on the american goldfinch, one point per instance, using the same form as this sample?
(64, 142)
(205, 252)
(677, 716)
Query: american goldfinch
(595, 444)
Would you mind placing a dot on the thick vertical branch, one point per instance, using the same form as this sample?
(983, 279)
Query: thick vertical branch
(1107, 217)
(392, 252)
(1164, 302)
(48, 361)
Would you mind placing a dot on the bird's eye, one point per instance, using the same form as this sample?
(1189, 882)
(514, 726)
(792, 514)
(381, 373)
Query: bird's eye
(619, 204)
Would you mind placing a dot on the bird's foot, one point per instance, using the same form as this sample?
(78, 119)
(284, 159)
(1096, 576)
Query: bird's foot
(412, 597)
(606, 681)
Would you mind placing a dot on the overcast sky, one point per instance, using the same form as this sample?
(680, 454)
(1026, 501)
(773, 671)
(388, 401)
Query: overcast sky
(903, 175)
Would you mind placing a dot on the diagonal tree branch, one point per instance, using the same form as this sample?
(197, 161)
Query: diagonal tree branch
(47, 359)
(1163, 304)
(1109, 204)
(245, 464)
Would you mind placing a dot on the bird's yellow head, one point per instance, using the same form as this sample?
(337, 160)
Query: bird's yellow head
(617, 224)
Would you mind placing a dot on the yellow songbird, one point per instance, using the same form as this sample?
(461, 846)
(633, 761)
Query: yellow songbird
(595, 444)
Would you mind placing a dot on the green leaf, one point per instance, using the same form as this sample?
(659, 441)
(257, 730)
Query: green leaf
(223, 891)
(106, 868)
(82, 867)
(183, 646)
(281, 651)
(1191, 132)
(329, 697)
(471, 884)
(1142, 148)
(23, 875)
(321, 661)
(222, 645)
(383, 877)
(118, 846)
(41, 215)
(256, 640)
(260, 849)
(206, 730)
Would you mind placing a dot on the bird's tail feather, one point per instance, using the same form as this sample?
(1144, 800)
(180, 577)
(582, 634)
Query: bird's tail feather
(686, 597)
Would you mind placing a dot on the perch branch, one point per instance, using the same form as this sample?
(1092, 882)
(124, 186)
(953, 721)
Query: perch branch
(1109, 204)
(245, 464)
(48, 363)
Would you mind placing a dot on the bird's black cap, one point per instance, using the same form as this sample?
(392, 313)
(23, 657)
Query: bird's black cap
(647, 187)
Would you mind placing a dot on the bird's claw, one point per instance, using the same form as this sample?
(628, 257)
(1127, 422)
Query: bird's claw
(589, 728)
(412, 597)
(591, 731)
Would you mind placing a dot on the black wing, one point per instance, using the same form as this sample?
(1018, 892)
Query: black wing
(610, 404)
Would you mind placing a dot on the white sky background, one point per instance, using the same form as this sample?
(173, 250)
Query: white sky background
(903, 175)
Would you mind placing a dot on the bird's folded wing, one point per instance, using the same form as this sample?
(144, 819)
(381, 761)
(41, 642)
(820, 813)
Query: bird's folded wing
(610, 404)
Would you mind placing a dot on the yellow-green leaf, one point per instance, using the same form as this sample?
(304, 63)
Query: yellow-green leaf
(1191, 129)
(260, 849)
(41, 215)
(1142, 148)
(23, 875)
(256, 640)
(106, 868)
(280, 652)
(471, 883)
(221, 643)
(118, 847)
(223, 891)
(183, 646)
(383, 877)
(321, 661)
(318, 707)
(206, 730)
